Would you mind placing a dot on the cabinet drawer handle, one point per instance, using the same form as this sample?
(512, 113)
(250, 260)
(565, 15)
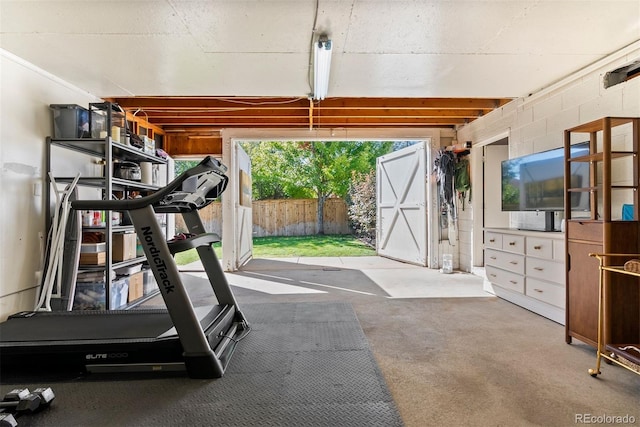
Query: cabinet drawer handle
(492, 240)
(538, 247)
(538, 268)
(513, 282)
(512, 243)
(492, 275)
(513, 262)
(492, 257)
(538, 290)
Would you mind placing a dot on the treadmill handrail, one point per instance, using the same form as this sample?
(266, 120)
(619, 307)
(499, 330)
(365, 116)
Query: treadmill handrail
(208, 164)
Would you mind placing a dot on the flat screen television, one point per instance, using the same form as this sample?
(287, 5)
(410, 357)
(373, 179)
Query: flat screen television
(536, 182)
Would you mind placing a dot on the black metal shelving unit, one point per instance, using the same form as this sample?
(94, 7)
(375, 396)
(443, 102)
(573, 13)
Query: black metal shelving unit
(109, 151)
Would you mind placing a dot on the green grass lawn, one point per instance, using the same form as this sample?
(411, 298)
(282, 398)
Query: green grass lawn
(295, 246)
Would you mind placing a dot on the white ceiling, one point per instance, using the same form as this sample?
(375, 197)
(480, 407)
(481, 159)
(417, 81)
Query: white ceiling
(393, 48)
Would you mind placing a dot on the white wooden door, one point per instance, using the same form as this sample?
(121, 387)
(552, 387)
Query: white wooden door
(244, 213)
(401, 226)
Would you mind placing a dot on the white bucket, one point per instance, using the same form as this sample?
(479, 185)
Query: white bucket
(447, 263)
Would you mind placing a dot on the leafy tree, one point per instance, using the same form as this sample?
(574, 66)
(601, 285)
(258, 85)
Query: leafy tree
(326, 166)
(302, 169)
(183, 165)
(362, 205)
(269, 172)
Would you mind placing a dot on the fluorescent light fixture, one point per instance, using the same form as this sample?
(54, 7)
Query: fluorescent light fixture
(321, 67)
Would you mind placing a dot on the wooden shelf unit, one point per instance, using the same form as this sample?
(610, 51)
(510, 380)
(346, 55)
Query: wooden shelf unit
(601, 231)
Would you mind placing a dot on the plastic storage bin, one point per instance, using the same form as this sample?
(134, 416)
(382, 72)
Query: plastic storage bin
(106, 119)
(89, 296)
(149, 282)
(70, 121)
(119, 293)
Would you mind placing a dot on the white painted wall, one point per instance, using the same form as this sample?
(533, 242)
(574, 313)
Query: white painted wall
(536, 123)
(25, 122)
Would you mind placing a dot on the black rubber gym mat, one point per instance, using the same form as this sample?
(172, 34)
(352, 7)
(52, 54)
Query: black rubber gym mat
(303, 364)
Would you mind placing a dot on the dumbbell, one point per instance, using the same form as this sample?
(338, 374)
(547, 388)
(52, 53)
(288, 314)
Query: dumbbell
(20, 400)
(7, 420)
(46, 394)
(23, 401)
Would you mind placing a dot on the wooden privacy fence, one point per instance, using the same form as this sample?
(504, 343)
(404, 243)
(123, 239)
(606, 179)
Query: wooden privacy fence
(282, 217)
(297, 217)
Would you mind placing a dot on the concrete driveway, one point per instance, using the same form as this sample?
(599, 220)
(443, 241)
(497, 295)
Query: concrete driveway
(342, 276)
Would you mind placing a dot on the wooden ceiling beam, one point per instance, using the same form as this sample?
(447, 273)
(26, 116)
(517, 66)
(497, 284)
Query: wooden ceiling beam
(194, 130)
(277, 114)
(281, 112)
(221, 122)
(182, 129)
(374, 121)
(195, 103)
(143, 102)
(395, 103)
(330, 121)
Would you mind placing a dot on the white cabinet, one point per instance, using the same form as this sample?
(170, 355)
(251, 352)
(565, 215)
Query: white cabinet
(505, 260)
(505, 279)
(527, 268)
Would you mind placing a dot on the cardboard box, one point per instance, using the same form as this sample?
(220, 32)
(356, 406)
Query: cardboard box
(136, 286)
(93, 258)
(124, 246)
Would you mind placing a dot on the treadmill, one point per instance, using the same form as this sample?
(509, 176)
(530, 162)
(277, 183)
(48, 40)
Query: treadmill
(199, 340)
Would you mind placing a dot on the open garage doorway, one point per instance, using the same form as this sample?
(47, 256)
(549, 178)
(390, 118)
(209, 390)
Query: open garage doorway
(234, 223)
(303, 194)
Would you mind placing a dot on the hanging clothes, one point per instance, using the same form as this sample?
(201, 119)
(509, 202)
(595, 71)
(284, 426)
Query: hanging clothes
(462, 179)
(445, 164)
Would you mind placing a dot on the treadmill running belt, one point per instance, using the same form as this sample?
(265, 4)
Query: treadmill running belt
(95, 325)
(58, 326)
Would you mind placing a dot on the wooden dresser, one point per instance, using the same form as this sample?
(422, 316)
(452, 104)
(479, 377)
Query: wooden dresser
(527, 268)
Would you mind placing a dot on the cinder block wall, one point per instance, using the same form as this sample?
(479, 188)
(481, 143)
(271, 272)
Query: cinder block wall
(537, 122)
